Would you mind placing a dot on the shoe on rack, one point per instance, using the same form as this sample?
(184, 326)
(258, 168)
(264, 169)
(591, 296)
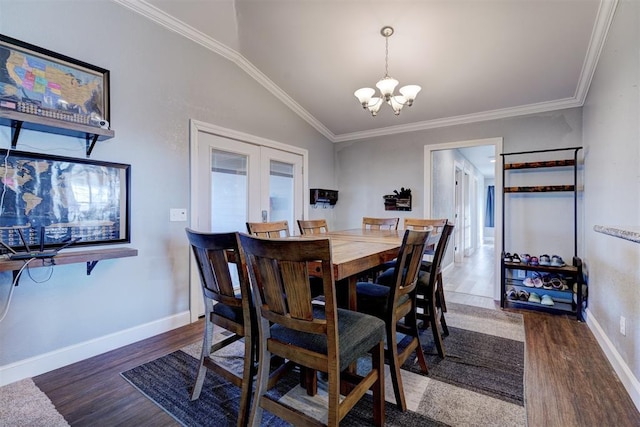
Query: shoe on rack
(512, 294)
(533, 297)
(556, 261)
(533, 260)
(537, 282)
(515, 258)
(523, 295)
(546, 300)
(544, 260)
(525, 258)
(507, 257)
(528, 282)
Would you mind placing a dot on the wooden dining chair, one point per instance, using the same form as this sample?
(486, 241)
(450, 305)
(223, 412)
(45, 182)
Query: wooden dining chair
(431, 299)
(225, 308)
(369, 223)
(395, 303)
(313, 226)
(269, 229)
(280, 229)
(318, 337)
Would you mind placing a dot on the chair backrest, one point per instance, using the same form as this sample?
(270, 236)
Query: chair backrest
(441, 249)
(281, 293)
(313, 226)
(269, 229)
(380, 223)
(422, 224)
(406, 270)
(217, 255)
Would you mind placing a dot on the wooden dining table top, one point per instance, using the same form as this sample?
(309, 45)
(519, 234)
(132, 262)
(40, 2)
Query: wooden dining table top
(357, 250)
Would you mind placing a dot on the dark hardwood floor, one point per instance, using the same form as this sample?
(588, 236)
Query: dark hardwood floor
(568, 381)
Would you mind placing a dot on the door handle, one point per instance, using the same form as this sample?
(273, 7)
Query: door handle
(264, 216)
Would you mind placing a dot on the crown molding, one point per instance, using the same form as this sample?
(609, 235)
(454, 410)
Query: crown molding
(158, 16)
(596, 43)
(465, 119)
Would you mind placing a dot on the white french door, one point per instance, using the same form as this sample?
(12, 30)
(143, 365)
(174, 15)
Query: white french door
(234, 182)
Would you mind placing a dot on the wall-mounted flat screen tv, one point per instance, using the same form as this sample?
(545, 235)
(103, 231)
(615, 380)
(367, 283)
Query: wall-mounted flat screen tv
(53, 199)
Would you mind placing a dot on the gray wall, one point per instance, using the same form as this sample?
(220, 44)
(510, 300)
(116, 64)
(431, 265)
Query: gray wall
(612, 188)
(159, 80)
(369, 168)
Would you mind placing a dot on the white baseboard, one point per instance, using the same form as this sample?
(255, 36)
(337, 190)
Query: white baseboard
(40, 364)
(630, 382)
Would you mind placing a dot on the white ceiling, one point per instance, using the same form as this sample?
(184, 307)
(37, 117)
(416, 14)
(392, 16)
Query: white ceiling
(475, 59)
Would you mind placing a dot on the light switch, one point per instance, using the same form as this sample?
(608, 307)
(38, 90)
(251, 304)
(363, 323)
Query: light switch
(177, 214)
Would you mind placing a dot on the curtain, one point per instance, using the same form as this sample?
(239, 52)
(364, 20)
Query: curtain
(488, 217)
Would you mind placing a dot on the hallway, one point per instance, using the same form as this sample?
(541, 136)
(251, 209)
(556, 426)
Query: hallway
(473, 282)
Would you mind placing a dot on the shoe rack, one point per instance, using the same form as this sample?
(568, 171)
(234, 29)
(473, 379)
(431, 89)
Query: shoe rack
(513, 274)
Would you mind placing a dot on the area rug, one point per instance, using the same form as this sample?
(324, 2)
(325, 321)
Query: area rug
(22, 403)
(480, 382)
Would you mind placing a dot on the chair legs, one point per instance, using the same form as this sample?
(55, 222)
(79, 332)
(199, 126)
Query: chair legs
(245, 383)
(429, 316)
(409, 328)
(204, 354)
(377, 362)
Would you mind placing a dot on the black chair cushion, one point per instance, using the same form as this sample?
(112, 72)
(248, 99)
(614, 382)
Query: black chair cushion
(386, 277)
(373, 298)
(234, 314)
(357, 334)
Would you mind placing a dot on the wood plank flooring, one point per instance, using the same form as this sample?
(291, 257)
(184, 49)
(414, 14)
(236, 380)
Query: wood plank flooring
(568, 381)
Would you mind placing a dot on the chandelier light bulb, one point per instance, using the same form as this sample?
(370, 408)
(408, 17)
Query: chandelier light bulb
(364, 95)
(386, 86)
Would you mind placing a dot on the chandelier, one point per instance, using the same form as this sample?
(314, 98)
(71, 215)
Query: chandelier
(387, 85)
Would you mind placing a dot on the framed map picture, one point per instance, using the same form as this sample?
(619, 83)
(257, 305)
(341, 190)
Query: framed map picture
(43, 83)
(50, 199)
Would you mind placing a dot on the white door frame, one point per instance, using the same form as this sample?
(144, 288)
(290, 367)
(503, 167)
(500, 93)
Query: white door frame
(458, 211)
(497, 144)
(196, 127)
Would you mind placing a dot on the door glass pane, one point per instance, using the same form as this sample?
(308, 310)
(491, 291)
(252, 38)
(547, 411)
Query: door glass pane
(229, 191)
(281, 192)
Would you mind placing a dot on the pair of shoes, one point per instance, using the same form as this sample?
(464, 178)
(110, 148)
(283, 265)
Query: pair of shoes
(533, 297)
(546, 300)
(556, 261)
(545, 260)
(533, 260)
(554, 281)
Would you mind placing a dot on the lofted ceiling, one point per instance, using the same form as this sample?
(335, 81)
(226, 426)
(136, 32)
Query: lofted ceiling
(475, 59)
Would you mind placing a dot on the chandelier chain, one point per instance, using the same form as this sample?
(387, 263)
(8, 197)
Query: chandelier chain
(386, 57)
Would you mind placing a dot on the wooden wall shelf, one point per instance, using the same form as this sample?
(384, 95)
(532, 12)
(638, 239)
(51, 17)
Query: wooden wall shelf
(91, 257)
(544, 164)
(539, 189)
(18, 121)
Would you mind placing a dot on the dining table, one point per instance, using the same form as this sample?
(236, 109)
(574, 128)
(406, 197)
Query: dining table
(356, 251)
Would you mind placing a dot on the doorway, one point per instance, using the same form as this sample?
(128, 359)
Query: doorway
(238, 178)
(456, 203)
